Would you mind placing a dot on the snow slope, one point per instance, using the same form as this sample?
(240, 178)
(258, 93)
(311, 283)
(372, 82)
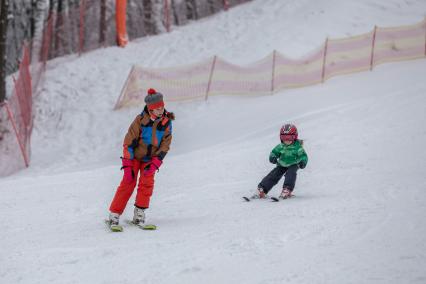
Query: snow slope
(359, 212)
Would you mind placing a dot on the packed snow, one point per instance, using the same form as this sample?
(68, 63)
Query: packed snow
(360, 205)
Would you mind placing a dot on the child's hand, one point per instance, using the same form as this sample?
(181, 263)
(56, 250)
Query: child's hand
(301, 165)
(273, 159)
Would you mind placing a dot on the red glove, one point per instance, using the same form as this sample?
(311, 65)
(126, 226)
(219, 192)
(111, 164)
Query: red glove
(129, 175)
(152, 166)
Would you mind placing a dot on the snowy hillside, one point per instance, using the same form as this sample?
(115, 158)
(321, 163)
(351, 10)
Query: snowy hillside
(358, 216)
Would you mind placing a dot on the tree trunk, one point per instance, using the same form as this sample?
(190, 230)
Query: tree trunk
(148, 17)
(213, 6)
(58, 28)
(175, 13)
(4, 8)
(191, 10)
(37, 25)
(158, 14)
(102, 23)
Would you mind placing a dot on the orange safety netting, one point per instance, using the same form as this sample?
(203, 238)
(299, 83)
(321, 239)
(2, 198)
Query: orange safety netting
(277, 72)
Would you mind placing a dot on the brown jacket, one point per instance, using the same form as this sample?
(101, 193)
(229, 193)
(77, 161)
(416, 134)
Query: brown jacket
(147, 138)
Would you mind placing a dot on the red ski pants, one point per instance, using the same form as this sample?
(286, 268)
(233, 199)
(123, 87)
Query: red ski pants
(125, 190)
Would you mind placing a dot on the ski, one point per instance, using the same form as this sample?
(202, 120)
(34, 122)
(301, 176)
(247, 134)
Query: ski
(148, 227)
(248, 199)
(114, 228)
(277, 199)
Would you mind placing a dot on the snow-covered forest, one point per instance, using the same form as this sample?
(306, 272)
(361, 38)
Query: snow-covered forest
(26, 19)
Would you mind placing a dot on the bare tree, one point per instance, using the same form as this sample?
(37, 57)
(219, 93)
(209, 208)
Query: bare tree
(39, 9)
(214, 6)
(58, 28)
(191, 9)
(4, 9)
(102, 22)
(159, 16)
(148, 17)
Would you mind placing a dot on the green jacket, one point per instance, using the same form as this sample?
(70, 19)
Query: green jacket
(288, 155)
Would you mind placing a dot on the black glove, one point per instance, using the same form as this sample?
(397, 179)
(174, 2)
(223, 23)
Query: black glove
(273, 159)
(302, 165)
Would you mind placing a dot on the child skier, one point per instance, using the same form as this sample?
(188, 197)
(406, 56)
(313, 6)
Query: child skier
(145, 146)
(289, 156)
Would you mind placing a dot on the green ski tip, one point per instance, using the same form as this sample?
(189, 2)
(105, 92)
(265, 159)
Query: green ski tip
(149, 227)
(116, 228)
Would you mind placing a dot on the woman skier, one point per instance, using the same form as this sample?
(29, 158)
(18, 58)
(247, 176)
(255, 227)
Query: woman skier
(145, 145)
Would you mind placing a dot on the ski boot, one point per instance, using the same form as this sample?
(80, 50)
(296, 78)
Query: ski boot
(260, 194)
(113, 219)
(139, 220)
(286, 193)
(113, 222)
(138, 216)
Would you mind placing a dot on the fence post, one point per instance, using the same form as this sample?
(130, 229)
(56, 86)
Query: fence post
(124, 87)
(81, 32)
(167, 15)
(324, 60)
(273, 71)
(425, 34)
(210, 77)
(373, 44)
(9, 114)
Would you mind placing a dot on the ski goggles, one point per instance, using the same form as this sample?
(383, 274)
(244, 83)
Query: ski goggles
(287, 137)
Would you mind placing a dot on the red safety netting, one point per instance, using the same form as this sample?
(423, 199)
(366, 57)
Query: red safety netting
(277, 72)
(10, 153)
(18, 111)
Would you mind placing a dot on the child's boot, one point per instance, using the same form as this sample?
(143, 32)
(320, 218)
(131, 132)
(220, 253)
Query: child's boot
(138, 216)
(286, 193)
(112, 222)
(113, 219)
(259, 194)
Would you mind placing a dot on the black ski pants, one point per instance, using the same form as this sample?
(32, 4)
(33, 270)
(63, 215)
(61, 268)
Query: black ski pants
(276, 174)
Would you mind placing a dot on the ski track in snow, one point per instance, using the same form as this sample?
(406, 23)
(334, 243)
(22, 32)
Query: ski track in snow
(358, 213)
